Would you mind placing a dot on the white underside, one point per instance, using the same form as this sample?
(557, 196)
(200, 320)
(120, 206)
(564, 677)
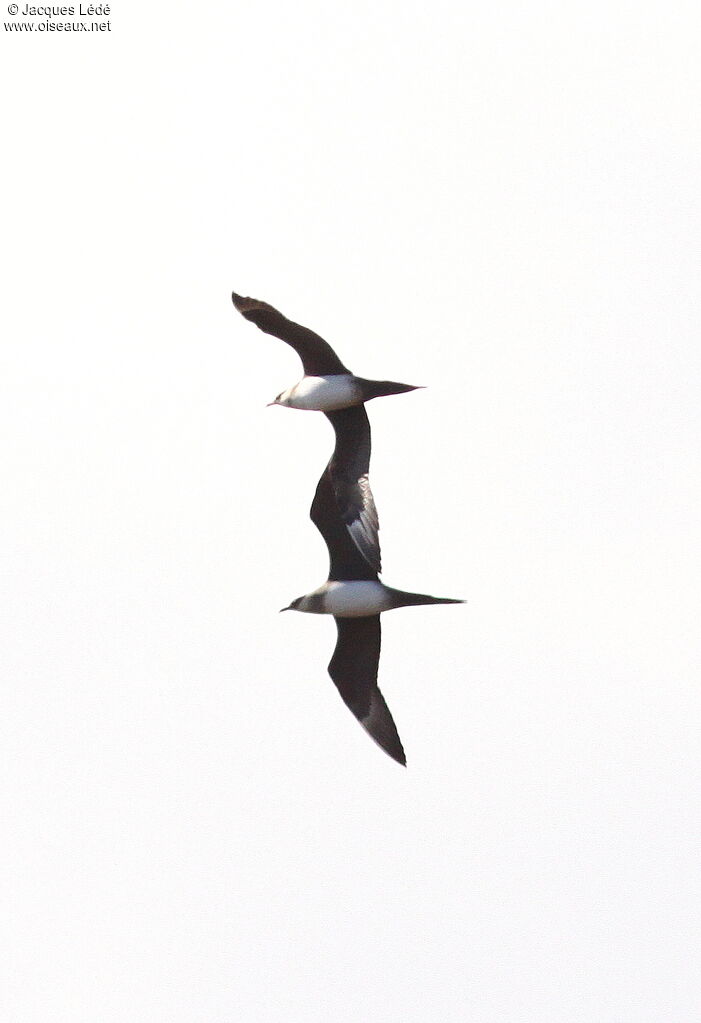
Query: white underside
(322, 394)
(355, 599)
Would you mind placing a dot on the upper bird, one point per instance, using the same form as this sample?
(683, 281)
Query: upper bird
(327, 385)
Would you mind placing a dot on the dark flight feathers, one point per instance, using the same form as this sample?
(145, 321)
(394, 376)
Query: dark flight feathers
(345, 559)
(318, 357)
(343, 510)
(348, 470)
(350, 463)
(353, 669)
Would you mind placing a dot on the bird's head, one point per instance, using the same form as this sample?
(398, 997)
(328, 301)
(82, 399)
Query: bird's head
(283, 398)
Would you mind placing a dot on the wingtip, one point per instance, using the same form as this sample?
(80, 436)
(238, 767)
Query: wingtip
(391, 746)
(397, 754)
(380, 726)
(252, 308)
(245, 303)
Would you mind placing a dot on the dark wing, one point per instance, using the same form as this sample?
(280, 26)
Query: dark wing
(318, 357)
(345, 559)
(353, 669)
(348, 470)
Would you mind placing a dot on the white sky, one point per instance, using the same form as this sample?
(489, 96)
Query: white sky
(500, 202)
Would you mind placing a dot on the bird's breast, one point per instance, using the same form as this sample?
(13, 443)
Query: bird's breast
(355, 599)
(325, 394)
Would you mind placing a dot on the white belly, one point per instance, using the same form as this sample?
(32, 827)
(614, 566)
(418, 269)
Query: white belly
(324, 394)
(355, 599)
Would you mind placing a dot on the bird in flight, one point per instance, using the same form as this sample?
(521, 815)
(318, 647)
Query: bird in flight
(355, 597)
(327, 384)
(329, 387)
(343, 510)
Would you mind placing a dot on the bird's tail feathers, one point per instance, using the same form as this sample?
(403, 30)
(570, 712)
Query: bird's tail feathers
(404, 599)
(379, 388)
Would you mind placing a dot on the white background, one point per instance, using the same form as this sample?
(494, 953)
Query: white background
(501, 202)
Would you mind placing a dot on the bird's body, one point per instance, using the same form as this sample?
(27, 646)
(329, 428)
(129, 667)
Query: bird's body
(336, 391)
(358, 598)
(322, 394)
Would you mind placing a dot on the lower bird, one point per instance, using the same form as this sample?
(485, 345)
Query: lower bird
(356, 598)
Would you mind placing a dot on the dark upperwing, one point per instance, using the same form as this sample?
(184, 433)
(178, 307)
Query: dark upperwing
(353, 669)
(345, 558)
(348, 471)
(318, 357)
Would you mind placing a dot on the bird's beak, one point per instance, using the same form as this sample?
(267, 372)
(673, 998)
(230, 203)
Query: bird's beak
(288, 608)
(271, 403)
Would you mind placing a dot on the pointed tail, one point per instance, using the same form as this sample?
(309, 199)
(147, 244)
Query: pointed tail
(400, 598)
(379, 388)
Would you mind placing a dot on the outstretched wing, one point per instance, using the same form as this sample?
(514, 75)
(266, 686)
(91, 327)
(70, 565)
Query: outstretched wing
(318, 357)
(345, 559)
(348, 471)
(353, 669)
